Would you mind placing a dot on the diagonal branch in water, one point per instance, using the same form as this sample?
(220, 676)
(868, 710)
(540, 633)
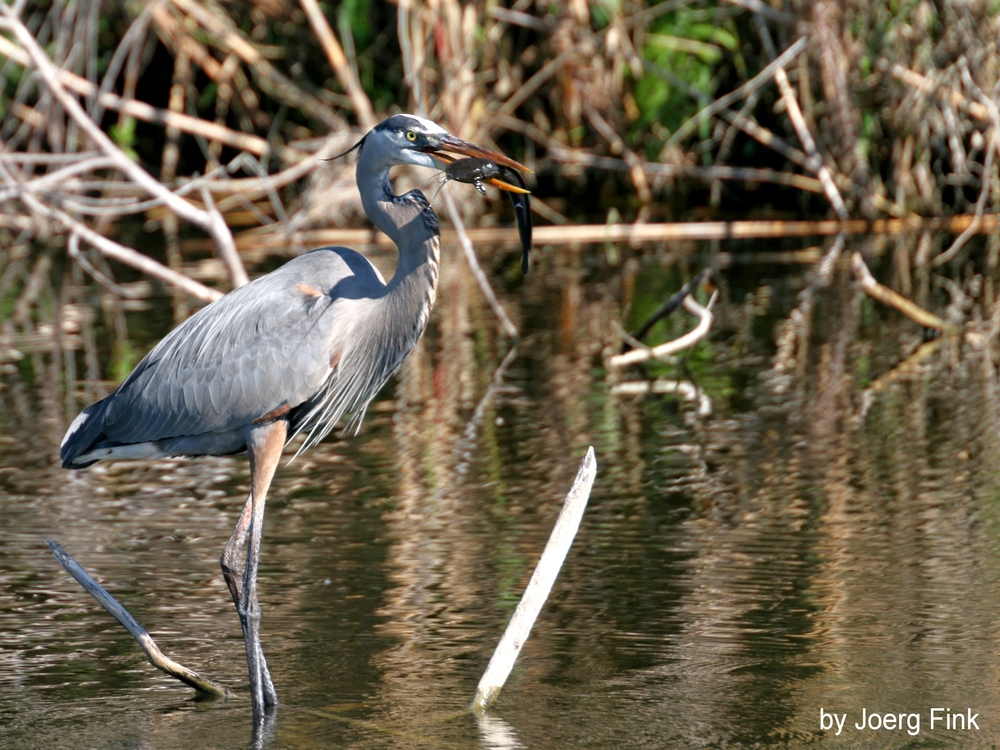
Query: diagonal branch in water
(477, 270)
(867, 283)
(671, 304)
(156, 657)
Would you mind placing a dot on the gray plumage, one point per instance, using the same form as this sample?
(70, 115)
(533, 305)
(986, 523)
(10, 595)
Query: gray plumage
(317, 338)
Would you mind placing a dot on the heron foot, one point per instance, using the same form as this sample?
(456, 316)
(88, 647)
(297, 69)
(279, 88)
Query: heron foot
(262, 692)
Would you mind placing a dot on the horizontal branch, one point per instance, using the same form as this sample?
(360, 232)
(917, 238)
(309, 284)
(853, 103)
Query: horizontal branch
(630, 233)
(683, 388)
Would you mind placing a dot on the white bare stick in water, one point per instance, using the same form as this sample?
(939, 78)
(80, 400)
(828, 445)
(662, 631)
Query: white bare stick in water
(156, 657)
(681, 343)
(538, 589)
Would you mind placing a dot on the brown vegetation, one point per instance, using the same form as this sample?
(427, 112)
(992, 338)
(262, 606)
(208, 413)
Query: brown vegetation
(217, 116)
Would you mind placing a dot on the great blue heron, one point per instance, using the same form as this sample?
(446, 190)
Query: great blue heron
(292, 352)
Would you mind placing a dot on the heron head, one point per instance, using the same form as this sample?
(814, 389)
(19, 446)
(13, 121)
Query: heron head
(408, 139)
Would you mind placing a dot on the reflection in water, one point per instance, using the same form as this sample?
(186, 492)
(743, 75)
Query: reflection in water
(828, 540)
(496, 734)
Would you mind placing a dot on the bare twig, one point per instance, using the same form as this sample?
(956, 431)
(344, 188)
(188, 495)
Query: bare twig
(147, 113)
(984, 194)
(477, 271)
(111, 249)
(519, 627)
(73, 250)
(925, 84)
(50, 179)
(716, 172)
(618, 145)
(230, 256)
(799, 123)
(263, 71)
(156, 657)
(219, 231)
(723, 102)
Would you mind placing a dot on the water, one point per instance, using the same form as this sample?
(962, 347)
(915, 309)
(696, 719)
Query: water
(807, 548)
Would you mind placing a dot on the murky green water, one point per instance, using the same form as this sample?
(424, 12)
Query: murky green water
(827, 542)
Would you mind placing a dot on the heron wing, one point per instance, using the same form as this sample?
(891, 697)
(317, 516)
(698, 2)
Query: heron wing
(264, 348)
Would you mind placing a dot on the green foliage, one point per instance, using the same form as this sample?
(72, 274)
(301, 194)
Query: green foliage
(687, 51)
(123, 134)
(207, 96)
(603, 11)
(356, 15)
(124, 358)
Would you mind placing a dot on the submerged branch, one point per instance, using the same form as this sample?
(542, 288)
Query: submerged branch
(156, 657)
(687, 390)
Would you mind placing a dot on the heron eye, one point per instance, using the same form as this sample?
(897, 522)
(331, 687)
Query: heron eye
(411, 136)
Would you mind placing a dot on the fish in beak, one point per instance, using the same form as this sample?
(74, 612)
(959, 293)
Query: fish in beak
(483, 165)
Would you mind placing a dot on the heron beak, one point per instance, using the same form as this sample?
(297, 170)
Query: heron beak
(448, 144)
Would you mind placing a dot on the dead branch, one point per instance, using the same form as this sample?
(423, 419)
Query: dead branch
(689, 339)
(477, 271)
(217, 23)
(926, 85)
(549, 565)
(723, 102)
(218, 229)
(113, 250)
(984, 192)
(335, 54)
(653, 232)
(148, 113)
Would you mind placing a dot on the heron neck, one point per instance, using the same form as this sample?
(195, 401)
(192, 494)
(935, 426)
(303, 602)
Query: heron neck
(409, 221)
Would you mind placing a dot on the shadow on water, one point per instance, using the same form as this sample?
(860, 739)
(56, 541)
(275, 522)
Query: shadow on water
(826, 540)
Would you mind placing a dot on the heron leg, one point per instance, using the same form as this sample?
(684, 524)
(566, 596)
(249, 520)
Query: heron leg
(265, 443)
(233, 570)
(232, 565)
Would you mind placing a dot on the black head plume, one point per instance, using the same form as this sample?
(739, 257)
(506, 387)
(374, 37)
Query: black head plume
(355, 147)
